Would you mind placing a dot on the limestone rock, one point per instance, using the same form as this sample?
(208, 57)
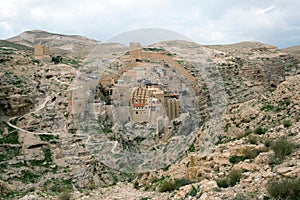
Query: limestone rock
(183, 191)
(208, 185)
(29, 197)
(247, 166)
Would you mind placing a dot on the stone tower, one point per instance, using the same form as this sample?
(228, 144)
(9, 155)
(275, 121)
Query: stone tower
(42, 53)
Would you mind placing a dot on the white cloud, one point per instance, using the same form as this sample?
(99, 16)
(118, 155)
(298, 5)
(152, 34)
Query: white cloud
(205, 22)
(266, 10)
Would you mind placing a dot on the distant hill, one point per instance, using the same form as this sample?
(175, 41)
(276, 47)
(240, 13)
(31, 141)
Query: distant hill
(74, 45)
(245, 47)
(295, 51)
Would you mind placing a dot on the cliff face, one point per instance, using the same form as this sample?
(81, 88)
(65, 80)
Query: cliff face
(248, 100)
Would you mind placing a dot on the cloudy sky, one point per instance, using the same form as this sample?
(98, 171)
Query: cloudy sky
(275, 22)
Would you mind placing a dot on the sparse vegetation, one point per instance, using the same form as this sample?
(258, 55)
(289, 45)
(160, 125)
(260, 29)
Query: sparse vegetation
(28, 176)
(231, 179)
(246, 196)
(9, 153)
(65, 196)
(259, 130)
(287, 123)
(56, 59)
(11, 138)
(242, 135)
(236, 159)
(268, 142)
(282, 147)
(171, 185)
(253, 139)
(153, 49)
(56, 186)
(286, 188)
(267, 107)
(251, 153)
(145, 198)
(193, 192)
(136, 185)
(48, 137)
(192, 148)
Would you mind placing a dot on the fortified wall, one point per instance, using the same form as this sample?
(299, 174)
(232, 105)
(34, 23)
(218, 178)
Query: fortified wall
(136, 53)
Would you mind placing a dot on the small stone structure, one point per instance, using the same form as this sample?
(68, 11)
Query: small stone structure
(42, 53)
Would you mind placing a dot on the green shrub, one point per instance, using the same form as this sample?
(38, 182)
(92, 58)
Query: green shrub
(247, 196)
(253, 139)
(231, 179)
(171, 185)
(287, 123)
(107, 130)
(236, 159)
(282, 147)
(259, 130)
(251, 153)
(58, 186)
(192, 148)
(222, 182)
(193, 192)
(11, 138)
(242, 135)
(9, 153)
(56, 59)
(268, 142)
(28, 177)
(234, 176)
(240, 196)
(267, 107)
(136, 185)
(285, 189)
(48, 137)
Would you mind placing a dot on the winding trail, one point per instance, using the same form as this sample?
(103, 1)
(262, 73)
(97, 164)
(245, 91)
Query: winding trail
(48, 98)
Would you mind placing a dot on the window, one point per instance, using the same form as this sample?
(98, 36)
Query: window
(136, 112)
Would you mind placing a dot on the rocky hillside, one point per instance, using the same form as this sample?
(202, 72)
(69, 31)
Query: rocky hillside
(245, 145)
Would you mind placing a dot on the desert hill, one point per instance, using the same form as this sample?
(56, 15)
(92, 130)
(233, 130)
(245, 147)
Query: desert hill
(295, 51)
(74, 45)
(245, 139)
